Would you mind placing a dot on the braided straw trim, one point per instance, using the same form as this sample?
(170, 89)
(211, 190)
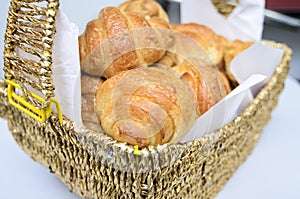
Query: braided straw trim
(31, 28)
(225, 7)
(197, 169)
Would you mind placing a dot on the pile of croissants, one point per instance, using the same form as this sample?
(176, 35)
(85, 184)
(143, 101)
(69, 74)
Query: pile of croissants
(146, 95)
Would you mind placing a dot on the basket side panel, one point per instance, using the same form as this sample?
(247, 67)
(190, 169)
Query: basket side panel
(201, 172)
(239, 138)
(5, 108)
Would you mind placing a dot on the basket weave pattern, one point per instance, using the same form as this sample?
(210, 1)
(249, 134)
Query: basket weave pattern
(197, 169)
(30, 29)
(201, 171)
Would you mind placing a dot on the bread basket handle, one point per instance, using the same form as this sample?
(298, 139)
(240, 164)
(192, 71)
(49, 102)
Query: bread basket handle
(28, 57)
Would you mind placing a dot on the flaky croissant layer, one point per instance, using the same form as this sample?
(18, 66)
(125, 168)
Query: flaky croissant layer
(147, 8)
(108, 45)
(145, 106)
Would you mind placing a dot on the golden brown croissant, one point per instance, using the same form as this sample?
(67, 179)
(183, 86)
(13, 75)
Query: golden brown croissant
(145, 106)
(89, 86)
(109, 45)
(147, 8)
(87, 107)
(201, 81)
(194, 82)
(206, 38)
(233, 49)
(225, 82)
(88, 114)
(169, 59)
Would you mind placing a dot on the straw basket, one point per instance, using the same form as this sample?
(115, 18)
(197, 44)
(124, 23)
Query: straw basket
(93, 165)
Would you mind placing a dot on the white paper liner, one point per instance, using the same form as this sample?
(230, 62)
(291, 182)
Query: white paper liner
(225, 110)
(66, 68)
(244, 23)
(252, 68)
(258, 59)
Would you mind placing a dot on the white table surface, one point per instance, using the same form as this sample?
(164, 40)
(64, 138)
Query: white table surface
(272, 171)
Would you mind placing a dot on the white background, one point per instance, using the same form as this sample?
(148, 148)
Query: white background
(272, 171)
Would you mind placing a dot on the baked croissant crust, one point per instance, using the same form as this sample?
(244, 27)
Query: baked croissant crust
(147, 8)
(145, 106)
(109, 45)
(206, 38)
(195, 84)
(208, 85)
(89, 86)
(225, 82)
(87, 108)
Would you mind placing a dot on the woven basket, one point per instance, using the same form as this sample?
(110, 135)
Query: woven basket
(93, 165)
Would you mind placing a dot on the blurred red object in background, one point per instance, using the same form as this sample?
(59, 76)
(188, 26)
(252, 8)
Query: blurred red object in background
(283, 5)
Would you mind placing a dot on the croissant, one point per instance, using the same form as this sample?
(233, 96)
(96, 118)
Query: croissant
(89, 86)
(87, 108)
(194, 82)
(225, 82)
(147, 8)
(109, 45)
(171, 59)
(234, 48)
(197, 80)
(145, 106)
(206, 38)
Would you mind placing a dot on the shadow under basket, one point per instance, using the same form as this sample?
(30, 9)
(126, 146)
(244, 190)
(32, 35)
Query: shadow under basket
(93, 165)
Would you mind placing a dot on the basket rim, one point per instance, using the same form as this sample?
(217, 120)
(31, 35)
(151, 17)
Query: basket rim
(208, 139)
(248, 112)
